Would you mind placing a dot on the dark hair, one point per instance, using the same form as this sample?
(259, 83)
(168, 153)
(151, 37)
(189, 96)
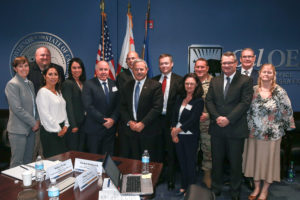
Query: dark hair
(19, 60)
(58, 84)
(198, 90)
(82, 77)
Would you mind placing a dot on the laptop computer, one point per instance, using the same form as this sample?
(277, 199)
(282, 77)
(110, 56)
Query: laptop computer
(131, 184)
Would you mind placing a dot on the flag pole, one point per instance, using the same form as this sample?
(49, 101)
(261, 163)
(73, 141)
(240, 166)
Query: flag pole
(102, 5)
(146, 28)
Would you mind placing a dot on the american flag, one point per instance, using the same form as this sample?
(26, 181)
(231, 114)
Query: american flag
(106, 52)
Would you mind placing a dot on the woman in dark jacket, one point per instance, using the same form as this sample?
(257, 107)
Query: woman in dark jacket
(185, 128)
(71, 90)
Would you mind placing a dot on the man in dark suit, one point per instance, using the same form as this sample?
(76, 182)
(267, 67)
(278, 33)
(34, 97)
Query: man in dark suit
(141, 106)
(247, 60)
(170, 84)
(127, 74)
(100, 98)
(227, 101)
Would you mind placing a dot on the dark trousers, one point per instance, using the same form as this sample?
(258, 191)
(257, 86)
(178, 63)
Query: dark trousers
(136, 143)
(75, 141)
(101, 143)
(169, 152)
(186, 150)
(232, 149)
(52, 143)
(124, 150)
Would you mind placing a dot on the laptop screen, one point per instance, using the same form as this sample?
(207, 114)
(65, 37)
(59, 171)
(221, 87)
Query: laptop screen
(111, 170)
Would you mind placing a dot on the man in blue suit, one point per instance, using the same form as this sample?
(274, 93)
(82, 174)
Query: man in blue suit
(100, 98)
(247, 60)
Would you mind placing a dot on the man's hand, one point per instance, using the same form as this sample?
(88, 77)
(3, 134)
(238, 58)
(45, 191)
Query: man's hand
(75, 130)
(132, 125)
(109, 123)
(139, 127)
(222, 121)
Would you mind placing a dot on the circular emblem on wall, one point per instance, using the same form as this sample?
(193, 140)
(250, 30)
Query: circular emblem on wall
(61, 53)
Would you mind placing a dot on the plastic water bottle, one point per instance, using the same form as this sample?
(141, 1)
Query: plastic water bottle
(53, 191)
(39, 169)
(291, 173)
(145, 162)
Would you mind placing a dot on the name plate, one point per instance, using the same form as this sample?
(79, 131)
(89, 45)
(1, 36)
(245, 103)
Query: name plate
(61, 169)
(82, 165)
(86, 178)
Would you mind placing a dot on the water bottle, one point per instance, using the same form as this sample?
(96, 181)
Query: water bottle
(291, 173)
(53, 191)
(39, 169)
(145, 162)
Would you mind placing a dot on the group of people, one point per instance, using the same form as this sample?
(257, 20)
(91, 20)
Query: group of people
(173, 117)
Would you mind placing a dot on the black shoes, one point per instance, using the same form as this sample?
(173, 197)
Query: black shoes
(179, 193)
(249, 183)
(235, 198)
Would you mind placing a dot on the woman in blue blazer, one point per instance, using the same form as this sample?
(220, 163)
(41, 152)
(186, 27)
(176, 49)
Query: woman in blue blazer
(185, 128)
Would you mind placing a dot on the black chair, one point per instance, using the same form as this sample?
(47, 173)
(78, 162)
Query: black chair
(196, 192)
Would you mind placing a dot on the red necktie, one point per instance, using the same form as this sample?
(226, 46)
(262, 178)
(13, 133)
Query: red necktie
(164, 84)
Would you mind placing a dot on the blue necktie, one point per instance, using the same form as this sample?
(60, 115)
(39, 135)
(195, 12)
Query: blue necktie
(227, 86)
(136, 96)
(106, 92)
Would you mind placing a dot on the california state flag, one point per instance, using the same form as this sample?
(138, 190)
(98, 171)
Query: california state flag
(128, 44)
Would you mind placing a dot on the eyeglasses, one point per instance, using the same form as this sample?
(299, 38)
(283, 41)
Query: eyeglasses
(244, 57)
(227, 63)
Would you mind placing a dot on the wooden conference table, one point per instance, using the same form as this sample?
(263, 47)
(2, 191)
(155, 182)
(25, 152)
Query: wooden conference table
(10, 190)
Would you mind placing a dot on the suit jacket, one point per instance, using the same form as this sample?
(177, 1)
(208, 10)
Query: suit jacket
(36, 77)
(174, 90)
(75, 110)
(123, 78)
(94, 102)
(149, 108)
(20, 101)
(190, 115)
(234, 106)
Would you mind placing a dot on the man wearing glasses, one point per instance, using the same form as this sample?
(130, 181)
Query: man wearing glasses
(247, 60)
(227, 101)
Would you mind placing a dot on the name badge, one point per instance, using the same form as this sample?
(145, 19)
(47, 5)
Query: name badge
(59, 170)
(114, 89)
(188, 107)
(82, 165)
(86, 178)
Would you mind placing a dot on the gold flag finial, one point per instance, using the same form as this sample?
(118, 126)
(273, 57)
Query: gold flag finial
(129, 6)
(102, 6)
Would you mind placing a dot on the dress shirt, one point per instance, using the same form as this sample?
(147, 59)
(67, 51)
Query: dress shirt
(101, 83)
(167, 90)
(52, 110)
(225, 80)
(133, 104)
(249, 71)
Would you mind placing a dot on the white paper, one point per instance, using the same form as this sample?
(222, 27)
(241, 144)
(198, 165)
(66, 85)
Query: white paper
(188, 107)
(86, 178)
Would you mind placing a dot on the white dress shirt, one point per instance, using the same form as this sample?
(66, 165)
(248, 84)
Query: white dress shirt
(101, 83)
(167, 90)
(52, 110)
(249, 71)
(141, 87)
(225, 80)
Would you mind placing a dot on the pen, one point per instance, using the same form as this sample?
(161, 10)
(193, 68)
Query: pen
(108, 183)
(23, 167)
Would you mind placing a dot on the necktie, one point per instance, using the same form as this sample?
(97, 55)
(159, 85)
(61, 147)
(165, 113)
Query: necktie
(164, 84)
(106, 92)
(246, 73)
(227, 86)
(136, 96)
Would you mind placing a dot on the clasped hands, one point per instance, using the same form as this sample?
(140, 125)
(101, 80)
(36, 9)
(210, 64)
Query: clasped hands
(109, 123)
(136, 126)
(222, 121)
